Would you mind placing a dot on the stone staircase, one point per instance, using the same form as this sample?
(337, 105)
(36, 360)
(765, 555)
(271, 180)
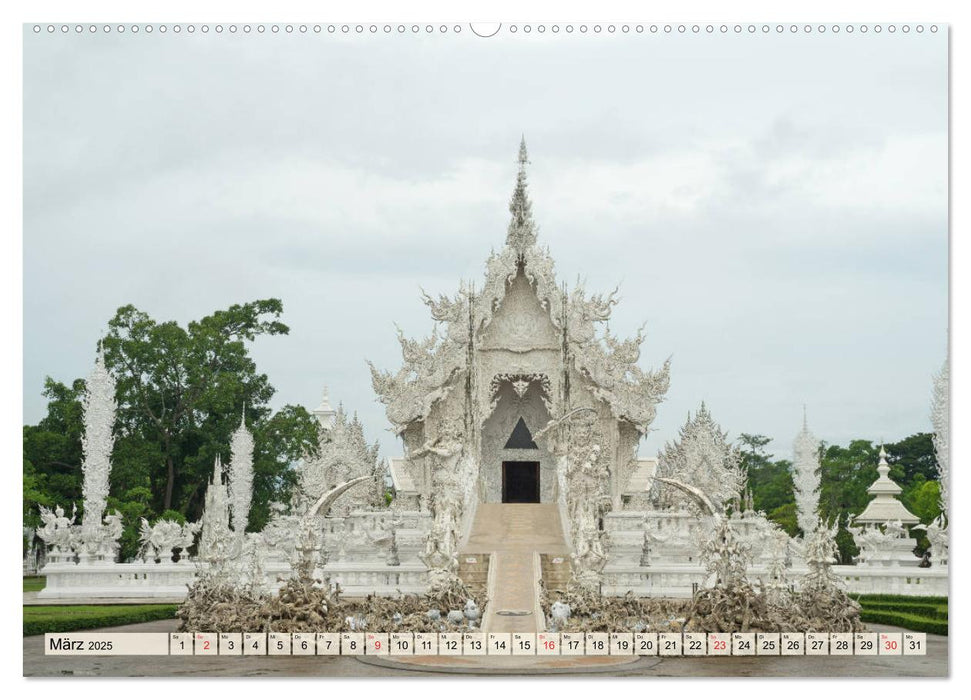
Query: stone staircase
(474, 569)
(556, 571)
(515, 535)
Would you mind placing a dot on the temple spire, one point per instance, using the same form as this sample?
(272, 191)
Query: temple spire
(522, 230)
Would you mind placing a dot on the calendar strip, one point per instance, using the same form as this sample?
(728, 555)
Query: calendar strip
(398, 644)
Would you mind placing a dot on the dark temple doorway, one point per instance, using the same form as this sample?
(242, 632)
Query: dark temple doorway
(520, 482)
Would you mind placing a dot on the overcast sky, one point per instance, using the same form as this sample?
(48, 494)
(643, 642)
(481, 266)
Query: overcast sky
(774, 208)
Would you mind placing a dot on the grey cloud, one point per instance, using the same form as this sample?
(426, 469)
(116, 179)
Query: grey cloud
(145, 181)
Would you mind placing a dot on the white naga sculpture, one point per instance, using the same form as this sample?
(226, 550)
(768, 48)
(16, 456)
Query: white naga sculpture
(805, 477)
(240, 477)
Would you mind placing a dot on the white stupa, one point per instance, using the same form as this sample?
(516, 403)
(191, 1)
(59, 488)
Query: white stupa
(881, 529)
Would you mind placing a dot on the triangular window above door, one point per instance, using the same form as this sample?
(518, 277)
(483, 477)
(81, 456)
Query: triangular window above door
(521, 438)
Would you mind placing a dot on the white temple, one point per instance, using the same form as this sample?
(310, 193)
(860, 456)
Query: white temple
(520, 396)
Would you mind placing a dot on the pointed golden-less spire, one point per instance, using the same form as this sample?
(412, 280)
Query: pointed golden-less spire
(522, 230)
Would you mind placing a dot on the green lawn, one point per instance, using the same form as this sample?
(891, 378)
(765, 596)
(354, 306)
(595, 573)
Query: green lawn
(39, 619)
(34, 583)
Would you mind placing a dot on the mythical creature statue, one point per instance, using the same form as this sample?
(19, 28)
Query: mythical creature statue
(937, 535)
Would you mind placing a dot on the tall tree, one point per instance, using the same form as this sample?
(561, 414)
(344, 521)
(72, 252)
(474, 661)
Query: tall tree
(179, 388)
(769, 480)
(52, 451)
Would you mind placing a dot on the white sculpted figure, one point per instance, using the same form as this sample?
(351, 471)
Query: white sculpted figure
(726, 556)
(894, 530)
(938, 537)
(780, 560)
(821, 553)
(113, 531)
(587, 499)
(447, 500)
(58, 531)
(160, 540)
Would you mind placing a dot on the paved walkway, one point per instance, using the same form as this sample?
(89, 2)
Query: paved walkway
(515, 533)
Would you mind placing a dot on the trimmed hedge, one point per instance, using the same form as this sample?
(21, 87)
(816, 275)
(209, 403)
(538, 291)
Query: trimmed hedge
(934, 612)
(39, 619)
(905, 620)
(886, 598)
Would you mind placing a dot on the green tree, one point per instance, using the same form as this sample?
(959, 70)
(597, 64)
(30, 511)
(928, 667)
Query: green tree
(182, 390)
(845, 475)
(770, 481)
(912, 457)
(52, 452)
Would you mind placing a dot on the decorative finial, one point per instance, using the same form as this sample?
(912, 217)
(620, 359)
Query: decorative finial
(805, 420)
(325, 413)
(522, 230)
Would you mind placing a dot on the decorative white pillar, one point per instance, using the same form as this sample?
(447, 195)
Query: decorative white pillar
(940, 419)
(216, 533)
(240, 476)
(97, 443)
(805, 478)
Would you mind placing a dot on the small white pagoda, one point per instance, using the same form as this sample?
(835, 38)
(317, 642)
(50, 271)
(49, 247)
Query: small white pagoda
(881, 529)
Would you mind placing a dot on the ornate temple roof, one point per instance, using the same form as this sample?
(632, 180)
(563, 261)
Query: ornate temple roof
(885, 507)
(431, 365)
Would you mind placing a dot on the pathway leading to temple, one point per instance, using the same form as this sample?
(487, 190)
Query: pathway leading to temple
(515, 534)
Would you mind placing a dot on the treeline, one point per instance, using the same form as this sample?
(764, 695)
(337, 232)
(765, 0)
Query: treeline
(845, 474)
